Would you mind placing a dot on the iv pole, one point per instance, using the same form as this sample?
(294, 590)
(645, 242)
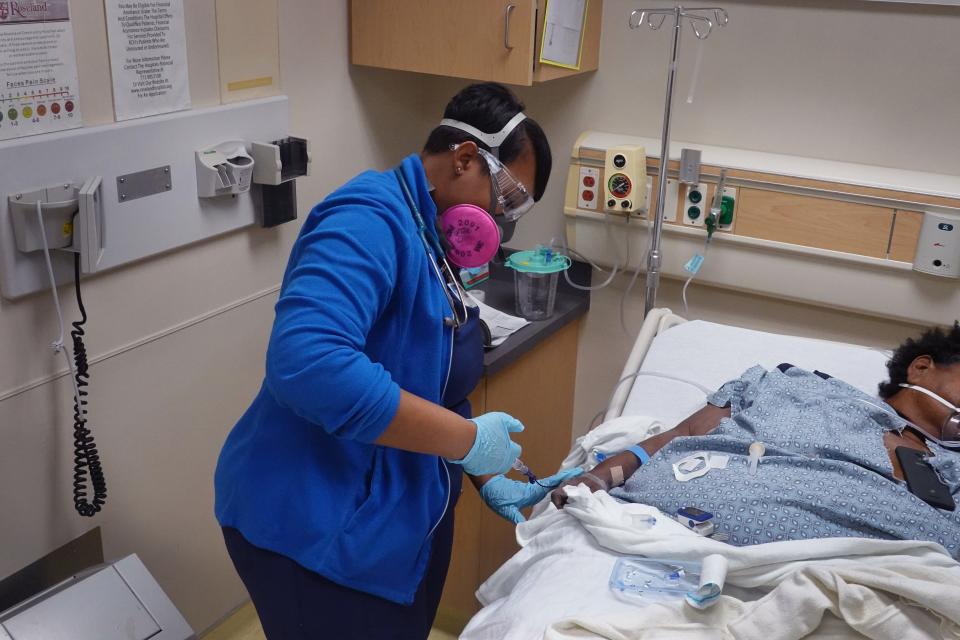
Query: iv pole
(702, 26)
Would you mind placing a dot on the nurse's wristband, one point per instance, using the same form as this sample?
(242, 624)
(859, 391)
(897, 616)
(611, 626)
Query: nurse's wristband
(638, 451)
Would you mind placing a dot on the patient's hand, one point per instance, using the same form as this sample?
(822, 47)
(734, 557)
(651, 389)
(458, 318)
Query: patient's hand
(559, 497)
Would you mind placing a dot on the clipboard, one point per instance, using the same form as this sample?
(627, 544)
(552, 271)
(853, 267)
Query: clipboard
(564, 26)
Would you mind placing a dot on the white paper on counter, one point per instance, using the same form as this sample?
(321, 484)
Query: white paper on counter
(502, 325)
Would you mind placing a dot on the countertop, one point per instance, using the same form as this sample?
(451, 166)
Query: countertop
(498, 291)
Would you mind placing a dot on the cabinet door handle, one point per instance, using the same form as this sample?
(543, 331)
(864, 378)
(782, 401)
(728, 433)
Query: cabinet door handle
(506, 26)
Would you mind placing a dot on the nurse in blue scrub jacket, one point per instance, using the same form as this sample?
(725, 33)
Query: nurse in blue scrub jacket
(336, 489)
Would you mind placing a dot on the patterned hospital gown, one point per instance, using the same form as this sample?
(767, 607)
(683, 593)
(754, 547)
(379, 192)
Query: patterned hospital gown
(826, 472)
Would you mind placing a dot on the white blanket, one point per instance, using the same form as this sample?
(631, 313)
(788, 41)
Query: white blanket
(556, 587)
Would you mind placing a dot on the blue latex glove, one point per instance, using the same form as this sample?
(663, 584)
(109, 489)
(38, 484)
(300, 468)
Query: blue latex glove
(492, 452)
(506, 497)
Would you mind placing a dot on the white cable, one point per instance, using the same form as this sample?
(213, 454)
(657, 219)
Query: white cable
(580, 257)
(613, 273)
(58, 344)
(652, 374)
(626, 294)
(667, 376)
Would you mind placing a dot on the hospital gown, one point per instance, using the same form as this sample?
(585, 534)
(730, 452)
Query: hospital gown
(826, 472)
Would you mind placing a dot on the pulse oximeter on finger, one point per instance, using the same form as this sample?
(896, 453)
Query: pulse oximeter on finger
(697, 520)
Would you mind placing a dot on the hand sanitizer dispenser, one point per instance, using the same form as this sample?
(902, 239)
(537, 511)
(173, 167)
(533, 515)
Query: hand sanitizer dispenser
(225, 169)
(938, 250)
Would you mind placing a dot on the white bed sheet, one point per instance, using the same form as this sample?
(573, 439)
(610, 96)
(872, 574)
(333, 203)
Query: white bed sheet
(711, 354)
(574, 581)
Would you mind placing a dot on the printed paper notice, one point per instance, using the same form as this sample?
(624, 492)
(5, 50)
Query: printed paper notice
(148, 57)
(563, 33)
(38, 69)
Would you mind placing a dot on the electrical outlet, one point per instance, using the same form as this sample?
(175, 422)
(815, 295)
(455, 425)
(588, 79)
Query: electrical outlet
(588, 189)
(695, 205)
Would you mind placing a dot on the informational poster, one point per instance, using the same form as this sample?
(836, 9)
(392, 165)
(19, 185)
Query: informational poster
(38, 69)
(148, 57)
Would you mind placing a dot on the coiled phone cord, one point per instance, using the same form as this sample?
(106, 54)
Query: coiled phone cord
(86, 458)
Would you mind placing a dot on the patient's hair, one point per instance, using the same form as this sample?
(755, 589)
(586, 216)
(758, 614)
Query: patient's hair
(942, 346)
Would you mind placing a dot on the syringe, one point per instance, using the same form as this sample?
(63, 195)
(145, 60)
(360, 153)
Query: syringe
(525, 470)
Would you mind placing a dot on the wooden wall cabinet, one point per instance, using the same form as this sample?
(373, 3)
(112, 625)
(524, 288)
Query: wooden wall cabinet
(496, 40)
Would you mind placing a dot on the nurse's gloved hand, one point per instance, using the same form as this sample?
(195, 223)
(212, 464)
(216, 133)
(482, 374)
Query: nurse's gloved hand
(506, 497)
(492, 452)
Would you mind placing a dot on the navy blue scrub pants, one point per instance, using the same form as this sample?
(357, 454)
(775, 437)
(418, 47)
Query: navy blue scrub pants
(295, 603)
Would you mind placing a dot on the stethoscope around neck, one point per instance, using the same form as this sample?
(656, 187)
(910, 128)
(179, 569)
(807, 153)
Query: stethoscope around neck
(437, 259)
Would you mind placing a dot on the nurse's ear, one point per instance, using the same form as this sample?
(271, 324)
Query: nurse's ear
(465, 158)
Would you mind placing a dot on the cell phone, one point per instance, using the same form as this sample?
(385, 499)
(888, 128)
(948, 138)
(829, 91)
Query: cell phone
(922, 480)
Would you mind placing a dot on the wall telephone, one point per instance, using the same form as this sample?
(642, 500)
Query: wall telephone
(69, 217)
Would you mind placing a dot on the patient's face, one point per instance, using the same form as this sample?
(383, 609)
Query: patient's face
(949, 382)
(944, 380)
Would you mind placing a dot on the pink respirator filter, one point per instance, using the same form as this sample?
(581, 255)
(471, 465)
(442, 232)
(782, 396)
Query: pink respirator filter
(472, 235)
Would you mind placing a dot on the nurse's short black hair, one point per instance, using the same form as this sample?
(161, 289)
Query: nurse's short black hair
(488, 106)
(942, 346)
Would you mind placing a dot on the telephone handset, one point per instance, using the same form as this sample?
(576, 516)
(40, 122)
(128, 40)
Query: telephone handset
(88, 226)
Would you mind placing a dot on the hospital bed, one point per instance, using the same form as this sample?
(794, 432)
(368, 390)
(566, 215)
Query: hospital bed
(673, 363)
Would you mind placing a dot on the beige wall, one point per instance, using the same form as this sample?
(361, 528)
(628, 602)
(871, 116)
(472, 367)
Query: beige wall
(161, 410)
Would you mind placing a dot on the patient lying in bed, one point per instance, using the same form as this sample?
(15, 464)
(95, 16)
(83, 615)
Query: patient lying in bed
(829, 468)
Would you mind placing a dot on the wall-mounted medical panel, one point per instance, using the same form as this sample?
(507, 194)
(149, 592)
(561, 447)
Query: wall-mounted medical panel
(129, 228)
(815, 222)
(827, 233)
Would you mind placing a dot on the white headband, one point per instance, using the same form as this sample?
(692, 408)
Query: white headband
(492, 140)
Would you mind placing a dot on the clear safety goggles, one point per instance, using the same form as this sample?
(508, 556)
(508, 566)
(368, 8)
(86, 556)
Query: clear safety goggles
(513, 199)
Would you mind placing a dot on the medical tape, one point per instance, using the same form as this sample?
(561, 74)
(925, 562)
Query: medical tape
(698, 464)
(616, 476)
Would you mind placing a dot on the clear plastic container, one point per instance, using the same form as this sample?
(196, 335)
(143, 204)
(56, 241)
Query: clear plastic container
(536, 294)
(535, 275)
(646, 577)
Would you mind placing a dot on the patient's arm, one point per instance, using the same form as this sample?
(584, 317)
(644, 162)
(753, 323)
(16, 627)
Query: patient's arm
(698, 424)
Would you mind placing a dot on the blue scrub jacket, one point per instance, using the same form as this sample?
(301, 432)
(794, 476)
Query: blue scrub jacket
(360, 316)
